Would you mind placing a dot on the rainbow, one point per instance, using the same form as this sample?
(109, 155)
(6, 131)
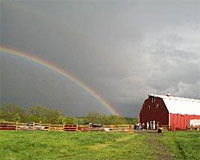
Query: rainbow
(66, 74)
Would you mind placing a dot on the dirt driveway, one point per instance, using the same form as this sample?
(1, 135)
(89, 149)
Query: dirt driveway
(162, 151)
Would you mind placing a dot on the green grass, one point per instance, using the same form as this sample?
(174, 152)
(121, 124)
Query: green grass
(183, 144)
(39, 145)
(73, 145)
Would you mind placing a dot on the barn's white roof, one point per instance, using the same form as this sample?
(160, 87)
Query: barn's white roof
(179, 105)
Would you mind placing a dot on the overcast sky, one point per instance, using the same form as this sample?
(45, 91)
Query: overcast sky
(122, 49)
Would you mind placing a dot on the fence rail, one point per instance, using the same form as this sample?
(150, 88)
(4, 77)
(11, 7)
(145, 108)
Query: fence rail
(64, 127)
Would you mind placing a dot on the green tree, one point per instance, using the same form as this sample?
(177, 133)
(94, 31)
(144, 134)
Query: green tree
(81, 120)
(12, 112)
(135, 120)
(42, 114)
(70, 120)
(16, 118)
(132, 120)
(61, 120)
(114, 119)
(96, 118)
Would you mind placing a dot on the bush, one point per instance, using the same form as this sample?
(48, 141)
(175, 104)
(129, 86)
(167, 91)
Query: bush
(42, 114)
(70, 120)
(12, 113)
(96, 118)
(114, 119)
(103, 119)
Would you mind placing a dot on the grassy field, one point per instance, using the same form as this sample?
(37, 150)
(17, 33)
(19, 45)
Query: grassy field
(182, 145)
(98, 145)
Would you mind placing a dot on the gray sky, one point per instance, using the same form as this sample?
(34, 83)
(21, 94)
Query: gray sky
(0, 53)
(122, 49)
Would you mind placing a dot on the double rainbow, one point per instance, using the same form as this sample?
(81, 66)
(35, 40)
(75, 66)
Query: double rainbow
(66, 74)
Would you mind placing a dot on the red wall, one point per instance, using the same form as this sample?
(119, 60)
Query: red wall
(159, 114)
(181, 122)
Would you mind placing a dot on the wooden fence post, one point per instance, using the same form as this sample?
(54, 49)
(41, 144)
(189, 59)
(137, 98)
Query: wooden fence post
(16, 126)
(33, 126)
(63, 127)
(77, 127)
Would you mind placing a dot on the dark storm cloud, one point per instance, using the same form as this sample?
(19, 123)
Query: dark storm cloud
(0, 51)
(175, 60)
(122, 49)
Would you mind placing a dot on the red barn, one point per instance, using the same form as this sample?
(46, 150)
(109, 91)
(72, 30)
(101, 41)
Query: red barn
(174, 112)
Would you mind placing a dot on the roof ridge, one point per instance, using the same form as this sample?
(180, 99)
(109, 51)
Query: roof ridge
(174, 97)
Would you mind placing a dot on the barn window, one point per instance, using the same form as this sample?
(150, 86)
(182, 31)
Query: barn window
(157, 105)
(149, 107)
(153, 99)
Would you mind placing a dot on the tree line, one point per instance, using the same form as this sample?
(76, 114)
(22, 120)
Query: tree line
(43, 114)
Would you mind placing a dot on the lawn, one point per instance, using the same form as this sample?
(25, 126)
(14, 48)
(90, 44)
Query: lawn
(72, 145)
(182, 144)
(39, 145)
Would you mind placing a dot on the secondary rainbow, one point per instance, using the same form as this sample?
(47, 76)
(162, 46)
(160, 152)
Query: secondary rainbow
(67, 74)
